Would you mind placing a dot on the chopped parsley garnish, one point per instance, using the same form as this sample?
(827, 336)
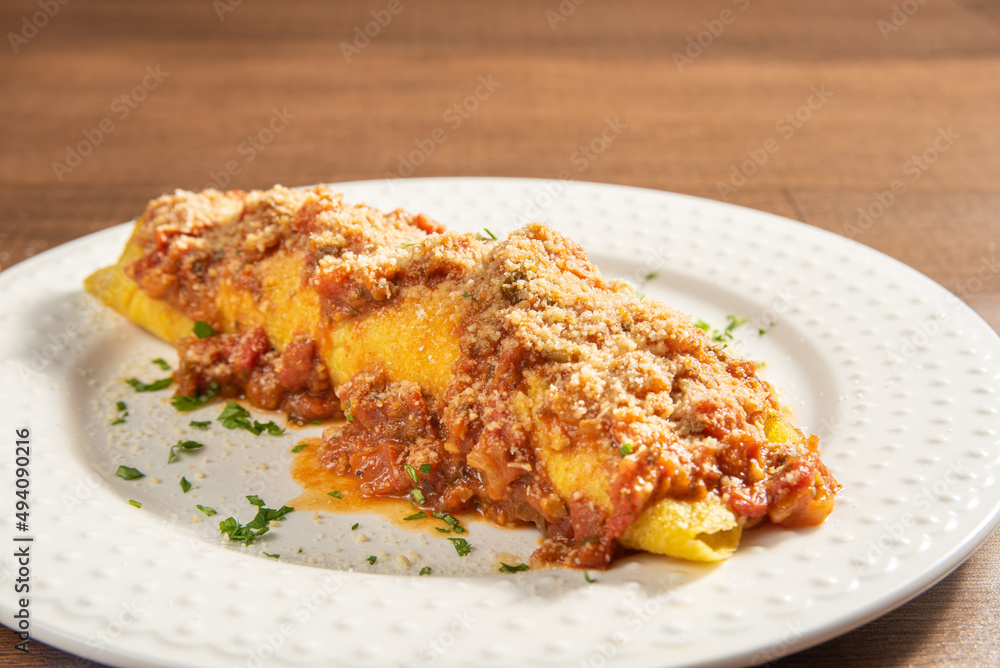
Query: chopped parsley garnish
(469, 296)
(702, 325)
(461, 546)
(234, 416)
(133, 502)
(337, 494)
(200, 424)
(347, 412)
(417, 495)
(122, 413)
(129, 473)
(416, 516)
(185, 485)
(162, 363)
(426, 570)
(650, 276)
(354, 527)
(732, 322)
(203, 330)
(300, 447)
(185, 404)
(205, 509)
(273, 556)
(586, 576)
(371, 559)
(492, 236)
(626, 449)
(411, 472)
(505, 568)
(180, 447)
(140, 386)
(424, 468)
(300, 551)
(442, 530)
(454, 523)
(256, 527)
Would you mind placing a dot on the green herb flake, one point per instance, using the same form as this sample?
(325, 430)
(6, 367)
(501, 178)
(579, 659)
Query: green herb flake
(586, 576)
(140, 386)
(469, 296)
(185, 485)
(347, 412)
(411, 472)
(461, 546)
(405, 245)
(300, 551)
(273, 556)
(424, 468)
(203, 330)
(650, 276)
(129, 473)
(354, 527)
(337, 494)
(316, 422)
(122, 413)
(256, 527)
(702, 325)
(372, 559)
(133, 502)
(300, 447)
(492, 236)
(200, 424)
(186, 404)
(442, 530)
(417, 495)
(506, 568)
(180, 447)
(626, 449)
(162, 363)
(234, 416)
(426, 570)
(416, 516)
(205, 509)
(451, 521)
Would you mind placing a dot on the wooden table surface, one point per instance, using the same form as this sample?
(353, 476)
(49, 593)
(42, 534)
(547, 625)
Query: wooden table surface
(109, 104)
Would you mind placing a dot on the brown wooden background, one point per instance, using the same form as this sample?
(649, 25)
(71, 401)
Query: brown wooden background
(929, 66)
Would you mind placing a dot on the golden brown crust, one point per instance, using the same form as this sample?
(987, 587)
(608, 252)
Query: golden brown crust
(557, 369)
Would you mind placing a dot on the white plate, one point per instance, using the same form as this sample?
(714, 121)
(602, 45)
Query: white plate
(897, 376)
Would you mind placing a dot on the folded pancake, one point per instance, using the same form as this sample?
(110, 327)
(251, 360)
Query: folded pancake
(505, 376)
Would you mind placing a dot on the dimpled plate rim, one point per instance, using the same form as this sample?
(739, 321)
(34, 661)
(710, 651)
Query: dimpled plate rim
(902, 374)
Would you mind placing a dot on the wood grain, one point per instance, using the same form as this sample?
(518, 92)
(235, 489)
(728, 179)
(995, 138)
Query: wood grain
(887, 97)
